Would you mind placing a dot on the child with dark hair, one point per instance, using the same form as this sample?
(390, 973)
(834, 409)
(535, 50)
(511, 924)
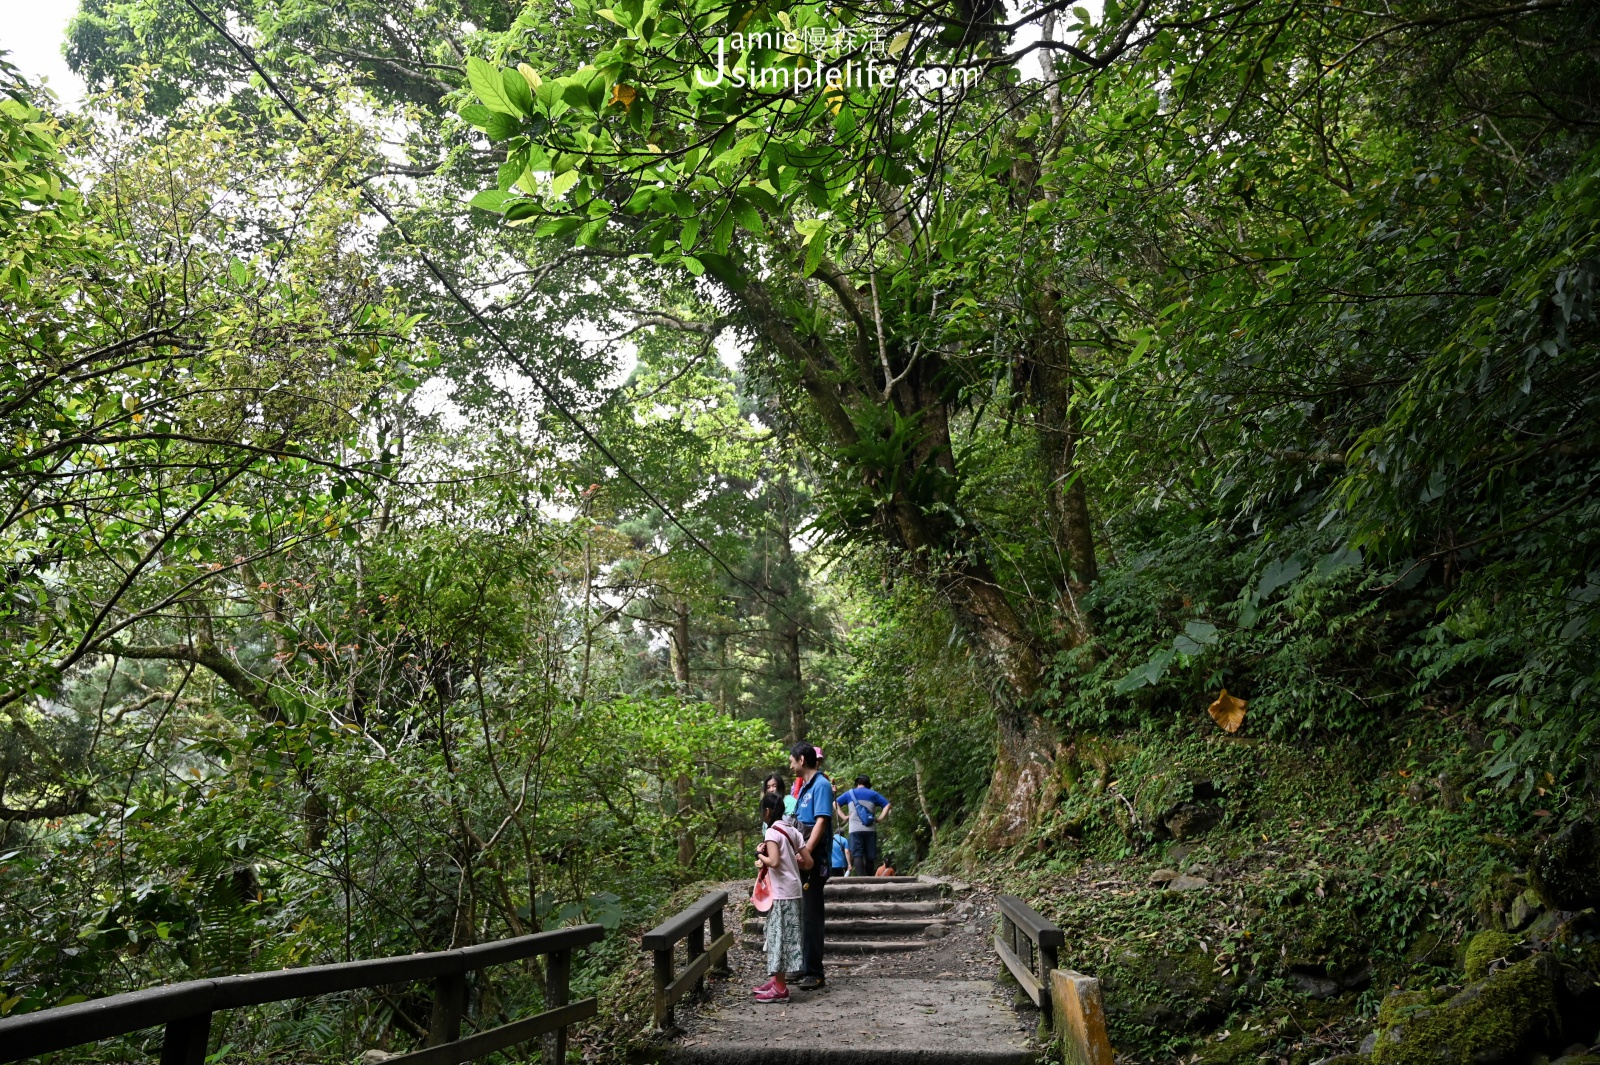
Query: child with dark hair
(777, 856)
(775, 785)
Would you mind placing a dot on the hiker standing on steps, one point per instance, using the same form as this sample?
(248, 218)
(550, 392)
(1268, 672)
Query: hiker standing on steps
(776, 856)
(814, 811)
(866, 809)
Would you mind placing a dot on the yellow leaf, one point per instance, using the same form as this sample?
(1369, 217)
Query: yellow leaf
(623, 94)
(834, 95)
(1228, 711)
(530, 76)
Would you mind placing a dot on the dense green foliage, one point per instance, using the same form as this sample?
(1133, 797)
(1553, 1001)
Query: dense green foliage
(447, 449)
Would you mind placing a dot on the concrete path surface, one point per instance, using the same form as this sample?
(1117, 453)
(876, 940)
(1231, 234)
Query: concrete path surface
(939, 1005)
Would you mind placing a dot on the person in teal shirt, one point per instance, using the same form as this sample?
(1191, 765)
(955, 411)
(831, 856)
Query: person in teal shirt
(841, 856)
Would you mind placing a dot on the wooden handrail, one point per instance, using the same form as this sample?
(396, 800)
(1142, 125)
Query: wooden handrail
(186, 1008)
(1028, 944)
(689, 928)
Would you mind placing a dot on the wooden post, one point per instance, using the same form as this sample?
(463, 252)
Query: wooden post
(557, 983)
(1047, 962)
(662, 976)
(721, 967)
(186, 1039)
(449, 996)
(696, 944)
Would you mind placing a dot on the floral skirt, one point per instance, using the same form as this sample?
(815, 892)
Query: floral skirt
(783, 936)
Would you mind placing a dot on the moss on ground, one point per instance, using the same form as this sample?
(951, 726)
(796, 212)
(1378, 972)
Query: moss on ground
(1240, 1046)
(1497, 1019)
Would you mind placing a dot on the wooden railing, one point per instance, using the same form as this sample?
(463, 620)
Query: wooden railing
(1028, 944)
(186, 1009)
(687, 927)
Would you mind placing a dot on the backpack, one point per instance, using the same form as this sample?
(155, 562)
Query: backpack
(864, 812)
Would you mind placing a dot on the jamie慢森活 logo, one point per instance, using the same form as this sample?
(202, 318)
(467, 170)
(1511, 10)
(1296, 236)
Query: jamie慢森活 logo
(821, 58)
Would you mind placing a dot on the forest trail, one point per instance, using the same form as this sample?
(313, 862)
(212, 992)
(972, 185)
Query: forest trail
(911, 978)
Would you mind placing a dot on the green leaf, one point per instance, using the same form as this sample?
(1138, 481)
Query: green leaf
(1277, 575)
(517, 90)
(558, 227)
(748, 216)
(486, 81)
(491, 200)
(815, 249)
(501, 127)
(575, 95)
(759, 197)
(1148, 673)
(1338, 559)
(721, 267)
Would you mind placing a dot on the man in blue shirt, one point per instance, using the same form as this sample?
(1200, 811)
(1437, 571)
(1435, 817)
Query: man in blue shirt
(866, 809)
(814, 812)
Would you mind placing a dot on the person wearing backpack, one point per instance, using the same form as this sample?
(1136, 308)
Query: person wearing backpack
(866, 808)
(841, 855)
(777, 863)
(814, 812)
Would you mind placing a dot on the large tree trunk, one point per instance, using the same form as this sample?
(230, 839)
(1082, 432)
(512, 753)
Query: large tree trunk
(794, 690)
(683, 787)
(1051, 383)
(917, 520)
(1026, 744)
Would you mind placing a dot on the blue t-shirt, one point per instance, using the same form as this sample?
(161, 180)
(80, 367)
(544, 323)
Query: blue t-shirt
(839, 860)
(869, 797)
(816, 800)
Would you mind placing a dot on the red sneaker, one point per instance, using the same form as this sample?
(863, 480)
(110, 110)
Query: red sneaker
(762, 987)
(772, 994)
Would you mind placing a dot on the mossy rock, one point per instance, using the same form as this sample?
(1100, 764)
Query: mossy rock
(1240, 1047)
(1399, 1006)
(1565, 870)
(1492, 1021)
(1484, 948)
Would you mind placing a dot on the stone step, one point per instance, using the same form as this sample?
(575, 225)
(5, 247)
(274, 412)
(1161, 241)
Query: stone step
(849, 946)
(864, 889)
(838, 907)
(848, 927)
